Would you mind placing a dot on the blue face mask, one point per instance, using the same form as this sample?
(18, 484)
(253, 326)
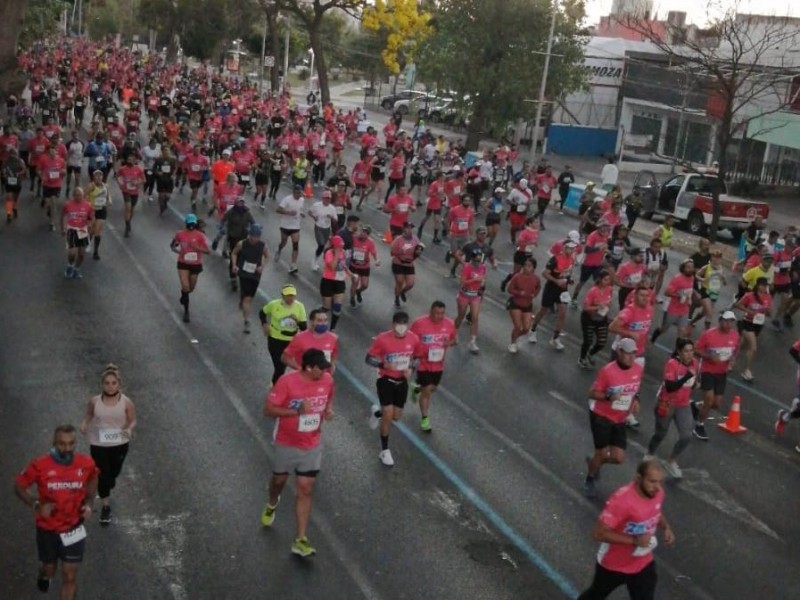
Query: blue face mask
(62, 458)
(321, 328)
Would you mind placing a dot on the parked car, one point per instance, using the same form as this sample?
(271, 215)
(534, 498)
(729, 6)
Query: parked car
(448, 112)
(688, 197)
(388, 102)
(423, 103)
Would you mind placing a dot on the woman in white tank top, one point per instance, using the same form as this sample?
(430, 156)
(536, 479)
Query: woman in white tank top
(108, 424)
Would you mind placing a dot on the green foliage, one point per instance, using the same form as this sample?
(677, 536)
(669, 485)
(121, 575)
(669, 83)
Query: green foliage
(361, 52)
(41, 21)
(498, 61)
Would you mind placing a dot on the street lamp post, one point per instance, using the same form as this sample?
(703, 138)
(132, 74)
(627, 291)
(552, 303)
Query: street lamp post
(311, 71)
(286, 53)
(263, 55)
(543, 85)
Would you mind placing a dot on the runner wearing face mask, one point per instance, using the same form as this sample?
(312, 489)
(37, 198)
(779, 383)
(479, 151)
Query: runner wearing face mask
(673, 404)
(392, 352)
(317, 336)
(66, 483)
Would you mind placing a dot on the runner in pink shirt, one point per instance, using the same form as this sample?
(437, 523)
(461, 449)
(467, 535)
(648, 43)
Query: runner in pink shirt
(629, 275)
(435, 200)
(392, 352)
(627, 532)
(470, 293)
(679, 291)
(757, 307)
(405, 250)
(614, 395)
(318, 336)
(399, 206)
(299, 402)
(334, 278)
(436, 334)
(52, 170)
(594, 256)
(594, 319)
(190, 245)
(77, 215)
(363, 251)
(194, 166)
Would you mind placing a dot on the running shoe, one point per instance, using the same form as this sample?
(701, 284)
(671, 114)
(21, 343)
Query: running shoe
(631, 421)
(647, 457)
(532, 339)
(396, 302)
(695, 410)
(512, 348)
(672, 469)
(301, 547)
(556, 343)
(403, 297)
(584, 364)
(105, 516)
(425, 424)
(374, 416)
(352, 302)
(780, 424)
(386, 458)
(293, 270)
(699, 432)
(588, 459)
(797, 448)
(590, 360)
(247, 326)
(473, 347)
(76, 273)
(588, 488)
(747, 375)
(268, 515)
(68, 272)
(43, 584)
(573, 304)
(358, 296)
(186, 318)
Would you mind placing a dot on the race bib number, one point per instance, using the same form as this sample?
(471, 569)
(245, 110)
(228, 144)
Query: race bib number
(79, 104)
(53, 174)
(623, 402)
(653, 265)
(195, 168)
(462, 225)
(521, 208)
(401, 363)
(639, 551)
(190, 257)
(111, 436)
(73, 536)
(288, 323)
(306, 423)
(529, 249)
(246, 178)
(12, 181)
(82, 234)
(545, 188)
(249, 267)
(359, 255)
(714, 284)
(602, 311)
(181, 157)
(498, 209)
(165, 168)
(340, 210)
(402, 208)
(435, 354)
(759, 318)
(339, 276)
(723, 354)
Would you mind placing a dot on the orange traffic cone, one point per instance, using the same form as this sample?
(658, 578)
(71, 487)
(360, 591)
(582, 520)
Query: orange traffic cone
(733, 424)
(387, 236)
(308, 192)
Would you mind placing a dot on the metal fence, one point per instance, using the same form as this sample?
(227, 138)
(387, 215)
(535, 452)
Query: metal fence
(751, 169)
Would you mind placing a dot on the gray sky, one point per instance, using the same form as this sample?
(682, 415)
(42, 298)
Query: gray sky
(697, 9)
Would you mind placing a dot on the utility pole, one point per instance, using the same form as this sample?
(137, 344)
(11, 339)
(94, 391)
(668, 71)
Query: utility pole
(263, 55)
(286, 53)
(543, 85)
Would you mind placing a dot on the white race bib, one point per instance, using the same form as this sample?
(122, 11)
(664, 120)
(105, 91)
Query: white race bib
(565, 297)
(359, 255)
(602, 311)
(723, 354)
(435, 354)
(53, 174)
(521, 208)
(245, 178)
(401, 363)
(340, 210)
(165, 168)
(403, 208)
(249, 267)
(195, 168)
(714, 284)
(11, 181)
(462, 225)
(82, 234)
(73, 536)
(623, 402)
(759, 318)
(307, 423)
(111, 436)
(639, 551)
(190, 256)
(340, 276)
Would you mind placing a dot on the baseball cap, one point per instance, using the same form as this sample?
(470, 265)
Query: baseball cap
(337, 241)
(298, 187)
(254, 230)
(574, 236)
(636, 251)
(408, 224)
(499, 190)
(190, 219)
(227, 152)
(728, 315)
(626, 345)
(589, 184)
(313, 357)
(288, 290)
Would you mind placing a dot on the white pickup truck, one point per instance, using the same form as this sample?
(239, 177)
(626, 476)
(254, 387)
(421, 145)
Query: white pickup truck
(688, 198)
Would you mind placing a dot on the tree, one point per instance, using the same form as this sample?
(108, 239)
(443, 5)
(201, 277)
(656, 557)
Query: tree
(12, 16)
(744, 60)
(402, 25)
(494, 64)
(311, 14)
(362, 54)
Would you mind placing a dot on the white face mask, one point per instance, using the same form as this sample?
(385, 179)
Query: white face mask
(400, 329)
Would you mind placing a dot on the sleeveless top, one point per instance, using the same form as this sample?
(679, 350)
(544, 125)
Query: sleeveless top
(105, 429)
(98, 196)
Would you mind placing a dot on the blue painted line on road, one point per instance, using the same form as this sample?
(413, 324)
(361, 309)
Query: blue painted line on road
(477, 501)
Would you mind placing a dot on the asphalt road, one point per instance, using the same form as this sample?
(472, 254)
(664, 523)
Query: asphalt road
(488, 506)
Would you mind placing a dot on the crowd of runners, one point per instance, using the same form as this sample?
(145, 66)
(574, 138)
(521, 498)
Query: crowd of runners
(101, 123)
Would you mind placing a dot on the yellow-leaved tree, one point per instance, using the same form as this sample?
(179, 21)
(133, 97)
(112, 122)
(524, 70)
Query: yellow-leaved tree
(402, 25)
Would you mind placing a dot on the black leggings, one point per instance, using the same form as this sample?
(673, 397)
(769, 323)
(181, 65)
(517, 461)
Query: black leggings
(641, 585)
(150, 182)
(274, 183)
(109, 460)
(595, 335)
(276, 348)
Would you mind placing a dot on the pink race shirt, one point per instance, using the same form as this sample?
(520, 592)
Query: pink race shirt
(721, 347)
(394, 352)
(333, 269)
(679, 291)
(435, 339)
(472, 280)
(638, 320)
(362, 251)
(190, 242)
(630, 274)
(302, 431)
(461, 218)
(399, 207)
(629, 513)
(527, 240)
(757, 308)
(78, 214)
(594, 252)
(614, 380)
(673, 371)
(598, 295)
(328, 342)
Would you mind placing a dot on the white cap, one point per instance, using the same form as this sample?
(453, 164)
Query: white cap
(523, 183)
(728, 315)
(498, 190)
(574, 236)
(626, 345)
(226, 151)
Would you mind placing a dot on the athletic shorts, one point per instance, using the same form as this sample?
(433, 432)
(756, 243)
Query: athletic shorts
(392, 392)
(402, 269)
(130, 199)
(587, 272)
(289, 232)
(551, 296)
(748, 326)
(511, 305)
(13, 189)
(51, 549)
(396, 231)
(51, 192)
(164, 186)
(248, 287)
(305, 463)
(433, 211)
(425, 378)
(360, 271)
(73, 241)
(376, 177)
(677, 320)
(713, 381)
(193, 269)
(76, 170)
(194, 184)
(607, 433)
(331, 287)
(519, 257)
(492, 219)
(101, 214)
(783, 288)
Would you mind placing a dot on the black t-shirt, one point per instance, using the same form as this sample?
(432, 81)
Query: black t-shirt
(566, 179)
